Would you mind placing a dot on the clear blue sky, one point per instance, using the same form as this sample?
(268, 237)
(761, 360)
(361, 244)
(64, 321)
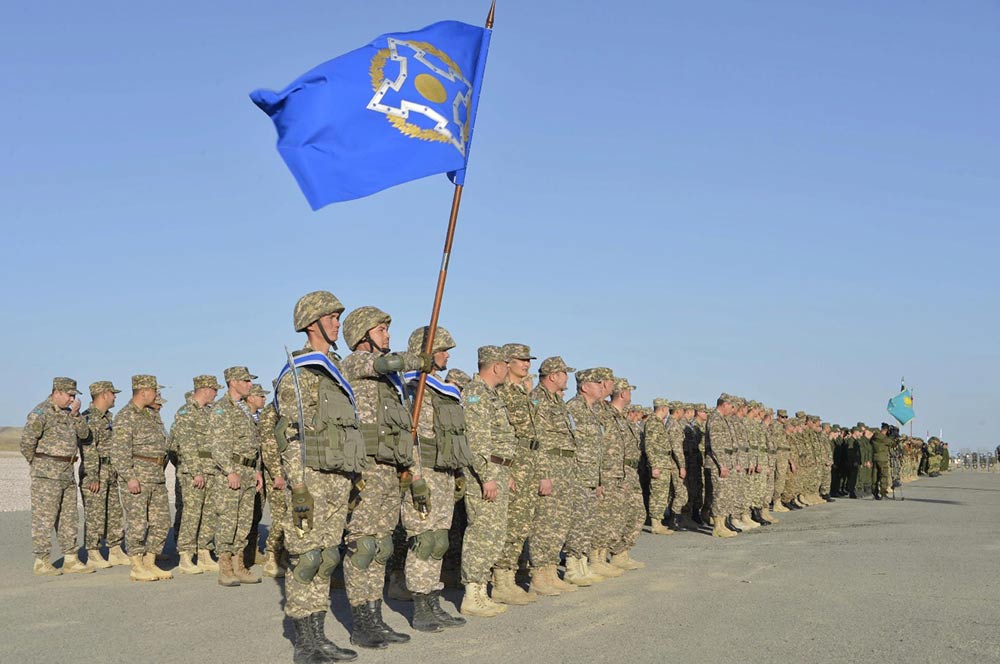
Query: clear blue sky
(795, 201)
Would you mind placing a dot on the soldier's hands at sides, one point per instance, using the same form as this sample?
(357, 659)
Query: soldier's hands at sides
(545, 487)
(599, 491)
(279, 483)
(723, 472)
(234, 481)
(199, 481)
(512, 485)
(684, 473)
(791, 464)
(258, 480)
(490, 491)
(656, 473)
(94, 487)
(133, 487)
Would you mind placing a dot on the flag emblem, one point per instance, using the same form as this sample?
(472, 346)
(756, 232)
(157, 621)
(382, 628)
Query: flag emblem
(435, 105)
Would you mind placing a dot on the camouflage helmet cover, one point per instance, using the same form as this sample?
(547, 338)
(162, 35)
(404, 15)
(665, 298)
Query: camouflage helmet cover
(358, 322)
(442, 340)
(313, 306)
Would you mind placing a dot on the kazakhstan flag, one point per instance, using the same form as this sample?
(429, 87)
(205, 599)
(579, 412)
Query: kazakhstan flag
(901, 407)
(400, 108)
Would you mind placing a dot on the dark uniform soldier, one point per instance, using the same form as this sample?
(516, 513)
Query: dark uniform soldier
(881, 444)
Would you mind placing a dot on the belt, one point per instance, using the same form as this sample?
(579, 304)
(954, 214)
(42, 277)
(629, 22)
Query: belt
(784, 449)
(632, 463)
(64, 459)
(249, 462)
(568, 454)
(155, 460)
(728, 450)
(104, 459)
(203, 454)
(529, 444)
(500, 461)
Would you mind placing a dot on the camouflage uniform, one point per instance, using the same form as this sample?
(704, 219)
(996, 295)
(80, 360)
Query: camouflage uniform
(49, 443)
(277, 502)
(138, 452)
(612, 509)
(556, 462)
(493, 444)
(389, 449)
(721, 449)
(589, 431)
(665, 449)
(694, 455)
(633, 508)
(330, 487)
(781, 456)
(103, 515)
(189, 440)
(522, 507)
(235, 448)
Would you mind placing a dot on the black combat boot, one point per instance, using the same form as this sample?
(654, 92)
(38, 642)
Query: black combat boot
(729, 524)
(853, 496)
(674, 522)
(696, 517)
(424, 619)
(323, 645)
(878, 496)
(443, 617)
(758, 517)
(827, 498)
(390, 635)
(305, 651)
(791, 505)
(364, 633)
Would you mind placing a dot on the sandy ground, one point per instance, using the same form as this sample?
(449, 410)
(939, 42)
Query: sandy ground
(886, 582)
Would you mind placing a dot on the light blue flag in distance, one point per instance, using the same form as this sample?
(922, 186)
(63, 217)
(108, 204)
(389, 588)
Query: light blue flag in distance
(400, 108)
(901, 407)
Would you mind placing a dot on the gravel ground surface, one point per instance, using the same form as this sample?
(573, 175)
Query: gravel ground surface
(852, 581)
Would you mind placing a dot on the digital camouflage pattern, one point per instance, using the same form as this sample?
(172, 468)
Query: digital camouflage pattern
(103, 515)
(556, 462)
(189, 439)
(522, 508)
(235, 447)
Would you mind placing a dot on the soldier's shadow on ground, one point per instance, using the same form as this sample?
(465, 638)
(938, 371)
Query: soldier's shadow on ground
(933, 500)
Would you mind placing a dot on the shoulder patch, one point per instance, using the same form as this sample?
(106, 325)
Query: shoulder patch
(183, 410)
(39, 411)
(218, 411)
(472, 399)
(534, 402)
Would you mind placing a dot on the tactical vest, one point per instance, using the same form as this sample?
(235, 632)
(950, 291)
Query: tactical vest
(390, 439)
(334, 441)
(449, 449)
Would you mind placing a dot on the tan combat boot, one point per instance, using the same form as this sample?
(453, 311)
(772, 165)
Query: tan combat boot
(205, 561)
(624, 561)
(589, 574)
(778, 507)
(43, 567)
(561, 585)
(149, 560)
(599, 565)
(73, 565)
(96, 560)
(244, 575)
(187, 565)
(575, 574)
(766, 515)
(720, 530)
(118, 557)
(659, 529)
(746, 523)
(541, 581)
(397, 586)
(275, 571)
(505, 591)
(139, 571)
(226, 576)
(476, 603)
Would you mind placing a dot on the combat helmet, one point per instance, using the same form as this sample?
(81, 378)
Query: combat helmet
(358, 322)
(442, 340)
(313, 306)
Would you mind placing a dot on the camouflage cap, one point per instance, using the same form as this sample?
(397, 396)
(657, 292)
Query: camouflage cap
(635, 408)
(491, 354)
(622, 384)
(800, 414)
(782, 413)
(238, 373)
(661, 403)
(554, 364)
(144, 382)
(588, 376)
(256, 390)
(102, 386)
(208, 381)
(458, 377)
(676, 406)
(862, 425)
(518, 352)
(701, 407)
(313, 306)
(418, 338)
(604, 373)
(63, 384)
(357, 324)
(727, 398)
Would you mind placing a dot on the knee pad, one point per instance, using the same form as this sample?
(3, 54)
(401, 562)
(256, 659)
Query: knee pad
(307, 566)
(422, 545)
(383, 549)
(331, 558)
(362, 552)
(440, 544)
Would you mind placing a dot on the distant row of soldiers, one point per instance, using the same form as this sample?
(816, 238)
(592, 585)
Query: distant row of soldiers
(535, 480)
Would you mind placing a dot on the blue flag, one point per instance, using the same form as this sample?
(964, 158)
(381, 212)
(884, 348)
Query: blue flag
(901, 407)
(400, 108)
